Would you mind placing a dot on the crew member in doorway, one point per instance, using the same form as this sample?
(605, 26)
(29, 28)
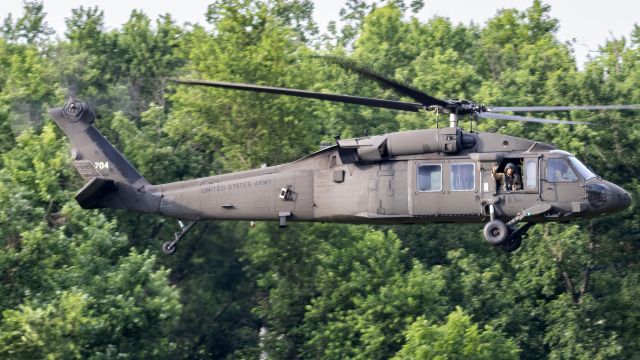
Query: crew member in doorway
(509, 180)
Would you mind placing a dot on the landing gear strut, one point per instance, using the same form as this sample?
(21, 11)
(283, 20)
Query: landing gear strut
(170, 247)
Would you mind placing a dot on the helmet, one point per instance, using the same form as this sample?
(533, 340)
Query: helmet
(510, 166)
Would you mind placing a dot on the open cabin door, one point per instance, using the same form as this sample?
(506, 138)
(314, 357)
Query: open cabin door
(510, 202)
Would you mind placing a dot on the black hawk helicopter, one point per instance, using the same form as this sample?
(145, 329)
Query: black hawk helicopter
(440, 175)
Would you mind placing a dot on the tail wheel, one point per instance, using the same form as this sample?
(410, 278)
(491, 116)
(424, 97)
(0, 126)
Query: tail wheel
(169, 247)
(495, 232)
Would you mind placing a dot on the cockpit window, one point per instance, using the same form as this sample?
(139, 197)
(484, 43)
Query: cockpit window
(558, 170)
(582, 168)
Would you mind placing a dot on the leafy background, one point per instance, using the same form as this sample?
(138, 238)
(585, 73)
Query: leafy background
(93, 284)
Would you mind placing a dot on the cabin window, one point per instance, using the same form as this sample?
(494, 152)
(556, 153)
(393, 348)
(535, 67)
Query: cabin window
(429, 178)
(558, 170)
(530, 174)
(463, 177)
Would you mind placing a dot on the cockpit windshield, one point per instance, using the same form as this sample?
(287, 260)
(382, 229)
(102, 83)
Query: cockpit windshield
(558, 170)
(582, 168)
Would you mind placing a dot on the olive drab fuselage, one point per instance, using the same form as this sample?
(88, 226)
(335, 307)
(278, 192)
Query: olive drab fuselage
(347, 183)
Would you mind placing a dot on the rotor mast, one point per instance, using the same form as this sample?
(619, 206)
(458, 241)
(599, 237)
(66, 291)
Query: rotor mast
(453, 119)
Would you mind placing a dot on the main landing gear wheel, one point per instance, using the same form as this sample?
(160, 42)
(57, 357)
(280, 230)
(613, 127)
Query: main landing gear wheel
(169, 247)
(495, 232)
(512, 243)
(514, 240)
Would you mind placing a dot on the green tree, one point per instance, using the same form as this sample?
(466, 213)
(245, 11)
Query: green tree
(458, 338)
(344, 291)
(31, 28)
(77, 284)
(63, 266)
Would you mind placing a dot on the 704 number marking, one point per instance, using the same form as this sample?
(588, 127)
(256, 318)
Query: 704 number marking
(101, 165)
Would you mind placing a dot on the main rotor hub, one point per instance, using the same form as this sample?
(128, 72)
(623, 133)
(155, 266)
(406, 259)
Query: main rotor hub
(463, 107)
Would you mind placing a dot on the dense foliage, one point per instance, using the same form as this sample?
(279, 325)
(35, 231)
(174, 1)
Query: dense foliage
(92, 284)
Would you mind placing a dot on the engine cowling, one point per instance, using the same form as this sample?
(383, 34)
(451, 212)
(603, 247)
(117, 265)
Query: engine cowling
(381, 147)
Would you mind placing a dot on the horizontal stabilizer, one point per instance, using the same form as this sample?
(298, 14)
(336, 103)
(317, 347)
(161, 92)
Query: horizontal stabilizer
(95, 190)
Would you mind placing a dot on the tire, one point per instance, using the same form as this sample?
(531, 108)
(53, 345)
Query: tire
(169, 248)
(495, 232)
(511, 244)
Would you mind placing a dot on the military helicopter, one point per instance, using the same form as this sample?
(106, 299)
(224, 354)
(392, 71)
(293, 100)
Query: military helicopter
(441, 175)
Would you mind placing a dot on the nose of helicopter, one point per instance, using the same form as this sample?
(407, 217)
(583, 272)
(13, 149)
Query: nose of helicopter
(606, 197)
(620, 199)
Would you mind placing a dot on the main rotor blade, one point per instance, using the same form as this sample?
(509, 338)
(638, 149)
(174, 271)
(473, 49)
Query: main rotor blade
(490, 115)
(349, 99)
(403, 89)
(564, 108)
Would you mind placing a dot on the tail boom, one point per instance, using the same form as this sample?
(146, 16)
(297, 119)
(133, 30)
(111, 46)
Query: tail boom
(111, 181)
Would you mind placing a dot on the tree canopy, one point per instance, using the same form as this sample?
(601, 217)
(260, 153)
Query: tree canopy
(92, 284)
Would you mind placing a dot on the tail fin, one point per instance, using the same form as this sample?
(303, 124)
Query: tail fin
(111, 181)
(93, 155)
